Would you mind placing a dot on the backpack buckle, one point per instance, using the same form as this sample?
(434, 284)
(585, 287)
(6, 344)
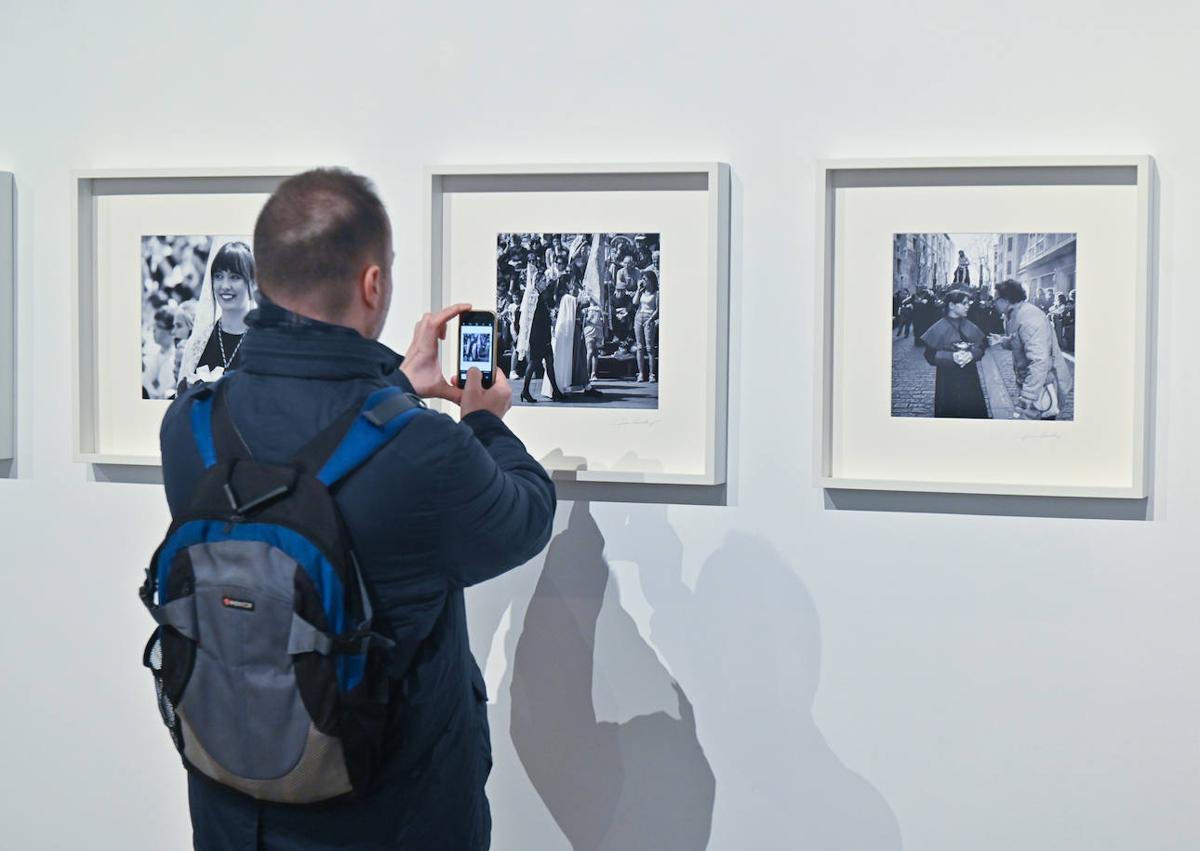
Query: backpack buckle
(392, 407)
(242, 508)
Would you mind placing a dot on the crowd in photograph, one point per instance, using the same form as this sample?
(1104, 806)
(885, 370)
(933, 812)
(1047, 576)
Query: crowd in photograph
(915, 311)
(577, 309)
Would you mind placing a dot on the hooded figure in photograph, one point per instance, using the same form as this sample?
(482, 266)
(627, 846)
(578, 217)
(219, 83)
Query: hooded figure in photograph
(563, 342)
(954, 346)
(220, 323)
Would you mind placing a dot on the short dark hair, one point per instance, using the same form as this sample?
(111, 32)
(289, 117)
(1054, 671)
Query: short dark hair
(957, 297)
(164, 318)
(1010, 291)
(315, 234)
(234, 258)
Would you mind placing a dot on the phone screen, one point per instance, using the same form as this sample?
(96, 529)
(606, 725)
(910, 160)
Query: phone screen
(476, 338)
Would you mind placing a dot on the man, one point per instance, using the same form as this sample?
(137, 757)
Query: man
(593, 334)
(441, 507)
(627, 275)
(984, 314)
(507, 343)
(557, 256)
(515, 257)
(622, 301)
(1030, 336)
(925, 313)
(1068, 343)
(903, 302)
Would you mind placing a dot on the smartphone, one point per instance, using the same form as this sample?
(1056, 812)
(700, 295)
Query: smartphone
(477, 345)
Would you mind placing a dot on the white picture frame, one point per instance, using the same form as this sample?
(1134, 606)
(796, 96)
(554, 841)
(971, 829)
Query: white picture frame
(1129, 455)
(91, 192)
(702, 456)
(8, 324)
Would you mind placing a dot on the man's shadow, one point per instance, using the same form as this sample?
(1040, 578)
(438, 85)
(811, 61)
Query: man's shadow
(746, 645)
(641, 783)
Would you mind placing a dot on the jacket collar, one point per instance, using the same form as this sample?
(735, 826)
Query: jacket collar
(1017, 308)
(281, 342)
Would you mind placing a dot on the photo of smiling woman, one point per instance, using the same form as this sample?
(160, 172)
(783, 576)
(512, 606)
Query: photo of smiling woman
(954, 345)
(196, 292)
(220, 324)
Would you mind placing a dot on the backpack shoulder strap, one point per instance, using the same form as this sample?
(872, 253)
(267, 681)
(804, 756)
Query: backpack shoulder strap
(354, 437)
(216, 435)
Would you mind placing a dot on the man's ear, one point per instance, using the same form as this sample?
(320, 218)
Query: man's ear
(371, 287)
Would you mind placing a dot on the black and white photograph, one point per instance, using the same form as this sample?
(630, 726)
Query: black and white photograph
(578, 318)
(477, 350)
(196, 292)
(983, 325)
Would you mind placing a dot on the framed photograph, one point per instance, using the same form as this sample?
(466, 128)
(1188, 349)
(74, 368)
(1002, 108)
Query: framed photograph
(8, 325)
(610, 288)
(984, 326)
(164, 277)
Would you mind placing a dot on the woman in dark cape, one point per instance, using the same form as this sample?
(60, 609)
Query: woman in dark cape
(954, 345)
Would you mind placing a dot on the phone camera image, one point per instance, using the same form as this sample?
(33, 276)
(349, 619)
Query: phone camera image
(475, 348)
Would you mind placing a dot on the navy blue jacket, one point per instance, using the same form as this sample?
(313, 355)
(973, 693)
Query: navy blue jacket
(443, 506)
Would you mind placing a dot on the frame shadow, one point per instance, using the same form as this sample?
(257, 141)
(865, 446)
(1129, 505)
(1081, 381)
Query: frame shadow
(914, 502)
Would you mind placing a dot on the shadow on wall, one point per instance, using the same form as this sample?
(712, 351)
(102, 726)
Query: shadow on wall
(746, 645)
(641, 783)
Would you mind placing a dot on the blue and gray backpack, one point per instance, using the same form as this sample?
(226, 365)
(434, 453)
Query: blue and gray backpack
(270, 678)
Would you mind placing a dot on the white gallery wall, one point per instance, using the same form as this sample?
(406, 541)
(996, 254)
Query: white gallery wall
(778, 672)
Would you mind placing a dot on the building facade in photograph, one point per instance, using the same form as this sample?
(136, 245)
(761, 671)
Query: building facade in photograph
(1010, 247)
(921, 260)
(1048, 262)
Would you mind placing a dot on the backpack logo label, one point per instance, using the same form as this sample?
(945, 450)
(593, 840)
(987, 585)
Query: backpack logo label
(231, 603)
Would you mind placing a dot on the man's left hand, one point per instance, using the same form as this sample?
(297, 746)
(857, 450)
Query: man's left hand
(422, 365)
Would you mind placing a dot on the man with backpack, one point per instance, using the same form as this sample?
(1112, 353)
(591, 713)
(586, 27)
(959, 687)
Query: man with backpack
(312, 660)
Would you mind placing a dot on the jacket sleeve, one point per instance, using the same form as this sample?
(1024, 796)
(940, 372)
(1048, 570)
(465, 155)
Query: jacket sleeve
(494, 503)
(1035, 337)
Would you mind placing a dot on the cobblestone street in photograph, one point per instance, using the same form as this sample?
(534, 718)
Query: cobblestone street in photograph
(913, 378)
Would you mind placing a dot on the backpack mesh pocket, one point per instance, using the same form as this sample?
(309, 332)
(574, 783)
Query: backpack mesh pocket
(153, 659)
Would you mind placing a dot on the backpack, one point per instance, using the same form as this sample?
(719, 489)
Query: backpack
(269, 676)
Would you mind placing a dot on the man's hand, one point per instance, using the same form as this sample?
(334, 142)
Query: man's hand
(422, 365)
(497, 398)
(1025, 410)
(997, 339)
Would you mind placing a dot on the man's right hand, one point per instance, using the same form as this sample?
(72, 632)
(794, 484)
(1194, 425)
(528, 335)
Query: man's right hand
(497, 399)
(422, 364)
